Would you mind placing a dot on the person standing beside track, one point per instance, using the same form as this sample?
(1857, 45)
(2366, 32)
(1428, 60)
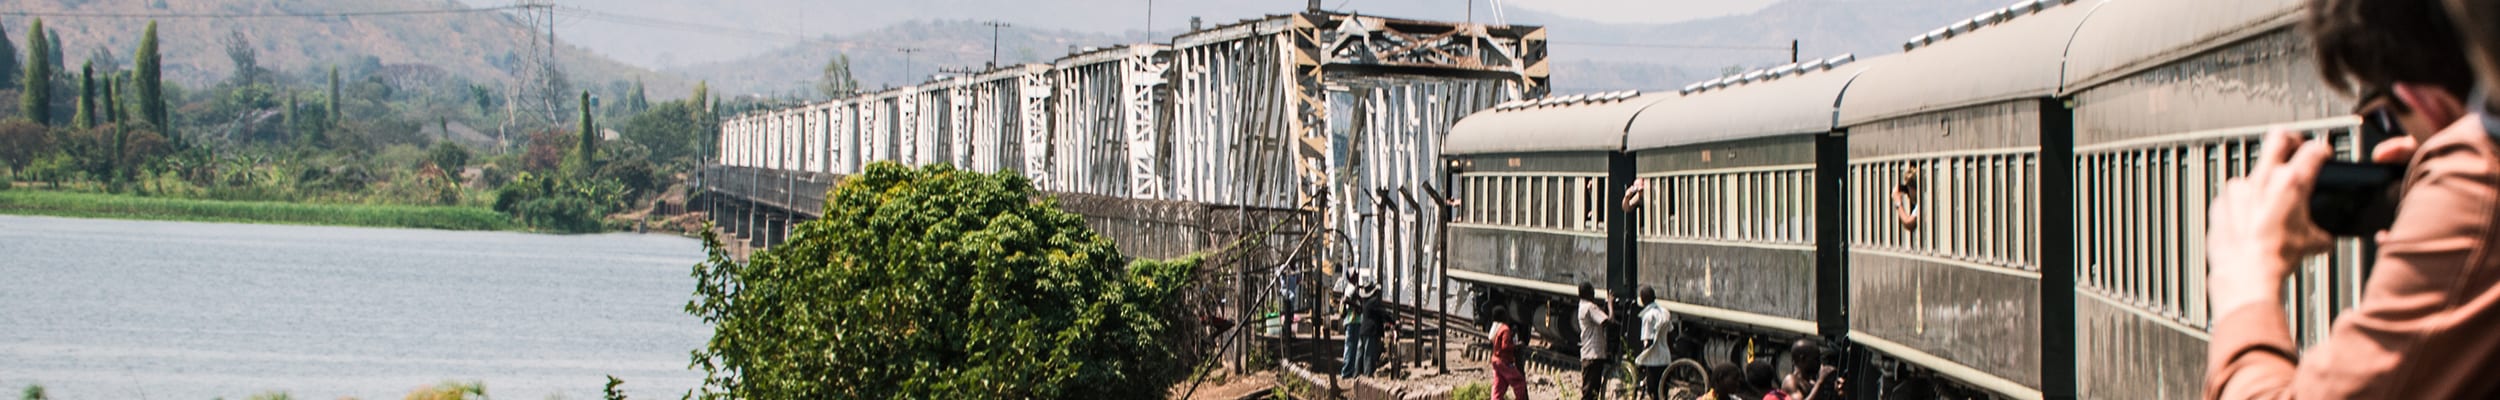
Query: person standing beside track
(2423, 327)
(1506, 344)
(1656, 322)
(1594, 316)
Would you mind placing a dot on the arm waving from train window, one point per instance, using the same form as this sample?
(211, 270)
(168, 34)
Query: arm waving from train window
(1905, 200)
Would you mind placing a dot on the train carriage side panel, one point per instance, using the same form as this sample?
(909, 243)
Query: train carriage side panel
(2170, 99)
(1728, 232)
(1530, 177)
(1958, 289)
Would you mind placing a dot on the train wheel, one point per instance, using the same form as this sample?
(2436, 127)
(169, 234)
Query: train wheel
(1724, 350)
(1687, 380)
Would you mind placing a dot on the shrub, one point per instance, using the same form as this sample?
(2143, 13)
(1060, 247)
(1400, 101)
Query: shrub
(939, 283)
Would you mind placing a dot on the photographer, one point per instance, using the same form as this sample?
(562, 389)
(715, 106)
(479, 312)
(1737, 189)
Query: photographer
(2423, 328)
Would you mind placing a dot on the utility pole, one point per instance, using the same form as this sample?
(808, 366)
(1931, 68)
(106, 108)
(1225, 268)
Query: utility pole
(907, 72)
(1792, 51)
(994, 25)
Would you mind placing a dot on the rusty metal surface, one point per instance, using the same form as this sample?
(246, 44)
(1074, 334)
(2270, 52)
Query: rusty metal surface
(1990, 126)
(1767, 281)
(2267, 79)
(1545, 257)
(2126, 356)
(1986, 320)
(1790, 150)
(2125, 37)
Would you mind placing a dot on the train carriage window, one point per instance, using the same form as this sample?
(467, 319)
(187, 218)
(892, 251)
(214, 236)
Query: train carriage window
(2165, 185)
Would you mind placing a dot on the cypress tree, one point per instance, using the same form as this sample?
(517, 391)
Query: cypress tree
(588, 151)
(334, 96)
(52, 48)
(108, 108)
(148, 75)
(9, 66)
(86, 96)
(35, 89)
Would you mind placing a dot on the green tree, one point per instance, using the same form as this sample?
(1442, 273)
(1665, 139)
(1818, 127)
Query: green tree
(35, 88)
(22, 142)
(611, 392)
(52, 50)
(86, 117)
(586, 154)
(934, 282)
(9, 66)
(34, 392)
(669, 130)
(148, 68)
(448, 156)
(334, 97)
(108, 109)
(836, 81)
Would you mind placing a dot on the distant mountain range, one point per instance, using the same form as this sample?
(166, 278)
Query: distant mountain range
(1587, 56)
(485, 47)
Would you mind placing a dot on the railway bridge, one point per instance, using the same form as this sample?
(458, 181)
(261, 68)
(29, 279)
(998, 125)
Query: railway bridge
(1311, 139)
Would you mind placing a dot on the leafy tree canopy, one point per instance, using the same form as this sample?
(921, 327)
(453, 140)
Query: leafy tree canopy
(939, 283)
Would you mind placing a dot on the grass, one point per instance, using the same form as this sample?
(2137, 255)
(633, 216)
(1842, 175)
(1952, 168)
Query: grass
(96, 205)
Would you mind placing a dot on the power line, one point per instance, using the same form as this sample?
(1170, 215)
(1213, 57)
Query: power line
(387, 13)
(673, 24)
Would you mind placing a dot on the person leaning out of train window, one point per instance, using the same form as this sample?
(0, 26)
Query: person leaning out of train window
(1656, 323)
(2425, 327)
(1905, 199)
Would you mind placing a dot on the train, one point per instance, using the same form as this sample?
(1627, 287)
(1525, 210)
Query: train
(2011, 207)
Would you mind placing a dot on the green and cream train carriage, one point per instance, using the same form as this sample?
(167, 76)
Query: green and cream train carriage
(2012, 207)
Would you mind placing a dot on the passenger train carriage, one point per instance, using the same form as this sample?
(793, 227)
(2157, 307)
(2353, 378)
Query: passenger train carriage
(2012, 206)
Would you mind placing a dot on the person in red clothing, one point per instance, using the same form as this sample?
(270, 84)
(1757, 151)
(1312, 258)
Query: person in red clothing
(1506, 344)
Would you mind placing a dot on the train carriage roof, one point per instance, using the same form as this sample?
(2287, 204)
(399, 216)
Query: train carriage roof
(2127, 36)
(1589, 122)
(1790, 99)
(2004, 54)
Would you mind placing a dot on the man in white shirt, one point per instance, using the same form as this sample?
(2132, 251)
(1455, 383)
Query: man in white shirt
(1656, 322)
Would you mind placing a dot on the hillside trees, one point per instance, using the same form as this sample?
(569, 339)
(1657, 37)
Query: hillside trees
(586, 153)
(934, 282)
(148, 69)
(9, 66)
(35, 85)
(836, 80)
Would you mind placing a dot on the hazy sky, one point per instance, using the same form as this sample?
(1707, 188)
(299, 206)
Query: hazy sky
(764, 24)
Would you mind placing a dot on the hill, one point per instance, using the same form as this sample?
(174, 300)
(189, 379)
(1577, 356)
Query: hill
(877, 61)
(1588, 56)
(484, 46)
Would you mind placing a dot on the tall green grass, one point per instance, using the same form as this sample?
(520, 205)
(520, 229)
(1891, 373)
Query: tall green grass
(94, 205)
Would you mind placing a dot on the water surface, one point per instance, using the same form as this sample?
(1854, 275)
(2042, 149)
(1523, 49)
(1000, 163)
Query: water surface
(109, 309)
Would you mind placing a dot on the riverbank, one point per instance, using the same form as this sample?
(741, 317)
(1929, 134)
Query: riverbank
(119, 206)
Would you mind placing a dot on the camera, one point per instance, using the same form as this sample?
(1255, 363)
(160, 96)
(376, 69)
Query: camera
(2357, 199)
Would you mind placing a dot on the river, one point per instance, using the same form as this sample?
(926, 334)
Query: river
(110, 309)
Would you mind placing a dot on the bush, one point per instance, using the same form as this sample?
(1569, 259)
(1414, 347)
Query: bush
(566, 214)
(1472, 391)
(939, 283)
(448, 156)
